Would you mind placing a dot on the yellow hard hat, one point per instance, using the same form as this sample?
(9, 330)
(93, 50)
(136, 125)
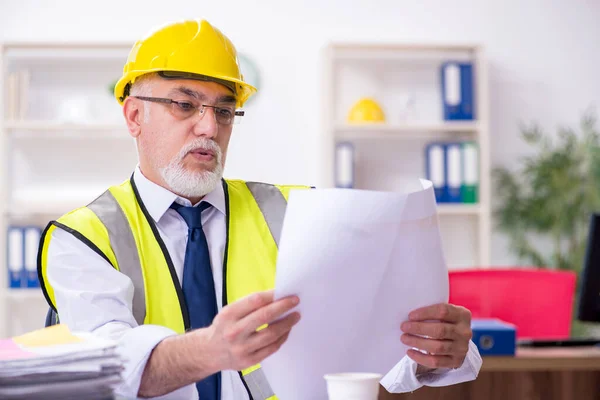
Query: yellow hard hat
(366, 110)
(192, 49)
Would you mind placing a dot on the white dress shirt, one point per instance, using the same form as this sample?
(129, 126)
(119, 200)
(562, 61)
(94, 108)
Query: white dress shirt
(92, 296)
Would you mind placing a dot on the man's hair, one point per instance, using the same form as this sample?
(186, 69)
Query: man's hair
(141, 86)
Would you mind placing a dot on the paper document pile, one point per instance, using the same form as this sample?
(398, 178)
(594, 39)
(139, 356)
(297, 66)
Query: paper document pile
(53, 363)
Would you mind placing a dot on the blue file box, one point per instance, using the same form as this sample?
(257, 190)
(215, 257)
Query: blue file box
(494, 337)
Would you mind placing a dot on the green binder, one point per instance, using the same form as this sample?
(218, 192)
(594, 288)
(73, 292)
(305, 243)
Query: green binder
(470, 172)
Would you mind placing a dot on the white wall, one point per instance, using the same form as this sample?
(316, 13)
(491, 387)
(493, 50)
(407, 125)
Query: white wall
(544, 58)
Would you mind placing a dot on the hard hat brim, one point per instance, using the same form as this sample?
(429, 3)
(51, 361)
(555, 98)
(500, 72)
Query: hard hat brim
(241, 89)
(197, 77)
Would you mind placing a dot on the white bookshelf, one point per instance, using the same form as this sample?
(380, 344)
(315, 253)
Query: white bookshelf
(404, 79)
(63, 141)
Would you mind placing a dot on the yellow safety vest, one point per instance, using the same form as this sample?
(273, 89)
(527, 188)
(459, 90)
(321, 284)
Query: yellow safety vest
(117, 221)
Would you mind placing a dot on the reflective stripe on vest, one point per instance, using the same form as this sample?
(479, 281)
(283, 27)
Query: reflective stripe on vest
(121, 238)
(257, 384)
(272, 204)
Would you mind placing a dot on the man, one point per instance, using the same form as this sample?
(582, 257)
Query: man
(178, 264)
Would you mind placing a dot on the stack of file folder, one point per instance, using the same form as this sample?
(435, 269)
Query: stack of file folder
(53, 363)
(453, 167)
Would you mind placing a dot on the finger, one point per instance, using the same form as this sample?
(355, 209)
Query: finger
(265, 315)
(265, 352)
(434, 330)
(246, 305)
(272, 333)
(433, 346)
(439, 312)
(432, 361)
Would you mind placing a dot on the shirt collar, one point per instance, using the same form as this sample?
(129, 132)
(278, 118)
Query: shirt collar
(157, 199)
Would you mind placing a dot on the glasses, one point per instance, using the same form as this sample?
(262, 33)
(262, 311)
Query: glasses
(184, 110)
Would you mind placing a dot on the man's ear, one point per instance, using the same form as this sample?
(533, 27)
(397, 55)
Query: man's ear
(133, 112)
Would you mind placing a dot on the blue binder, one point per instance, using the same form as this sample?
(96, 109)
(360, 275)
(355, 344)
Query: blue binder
(15, 251)
(457, 90)
(454, 178)
(435, 167)
(31, 240)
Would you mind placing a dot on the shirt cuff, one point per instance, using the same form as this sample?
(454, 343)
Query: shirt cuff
(403, 377)
(135, 347)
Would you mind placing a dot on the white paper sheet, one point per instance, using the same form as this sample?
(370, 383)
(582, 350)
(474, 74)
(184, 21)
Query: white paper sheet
(360, 261)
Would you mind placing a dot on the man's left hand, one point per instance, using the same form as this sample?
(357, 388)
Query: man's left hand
(443, 331)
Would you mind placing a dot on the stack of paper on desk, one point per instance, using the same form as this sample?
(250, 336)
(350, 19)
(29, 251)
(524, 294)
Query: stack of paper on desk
(55, 363)
(360, 261)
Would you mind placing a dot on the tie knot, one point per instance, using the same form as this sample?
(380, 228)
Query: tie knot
(191, 215)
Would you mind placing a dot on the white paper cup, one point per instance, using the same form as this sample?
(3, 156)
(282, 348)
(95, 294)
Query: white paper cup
(353, 386)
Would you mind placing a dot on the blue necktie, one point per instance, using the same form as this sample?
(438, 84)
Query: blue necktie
(199, 287)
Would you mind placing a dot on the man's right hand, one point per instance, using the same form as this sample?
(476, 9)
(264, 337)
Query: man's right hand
(232, 342)
(236, 343)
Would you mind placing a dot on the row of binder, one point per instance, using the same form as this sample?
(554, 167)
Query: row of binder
(22, 249)
(453, 167)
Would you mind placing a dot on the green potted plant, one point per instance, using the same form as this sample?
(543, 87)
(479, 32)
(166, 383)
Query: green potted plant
(549, 198)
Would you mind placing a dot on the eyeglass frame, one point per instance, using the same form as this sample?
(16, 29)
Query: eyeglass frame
(200, 108)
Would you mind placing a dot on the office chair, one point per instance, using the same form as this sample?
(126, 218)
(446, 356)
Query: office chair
(538, 301)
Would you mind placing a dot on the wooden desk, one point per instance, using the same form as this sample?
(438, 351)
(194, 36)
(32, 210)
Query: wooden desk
(533, 374)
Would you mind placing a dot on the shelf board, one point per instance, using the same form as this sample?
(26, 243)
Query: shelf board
(38, 53)
(395, 47)
(402, 52)
(24, 294)
(403, 131)
(50, 202)
(459, 209)
(52, 46)
(58, 126)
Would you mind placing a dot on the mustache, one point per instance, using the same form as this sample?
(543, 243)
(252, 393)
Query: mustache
(201, 143)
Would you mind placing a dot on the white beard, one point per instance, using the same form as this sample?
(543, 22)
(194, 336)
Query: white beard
(193, 184)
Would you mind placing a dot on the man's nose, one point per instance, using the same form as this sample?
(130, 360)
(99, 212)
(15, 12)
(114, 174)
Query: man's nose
(206, 123)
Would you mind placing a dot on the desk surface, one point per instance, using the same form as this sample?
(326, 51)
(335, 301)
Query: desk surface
(546, 359)
(557, 373)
